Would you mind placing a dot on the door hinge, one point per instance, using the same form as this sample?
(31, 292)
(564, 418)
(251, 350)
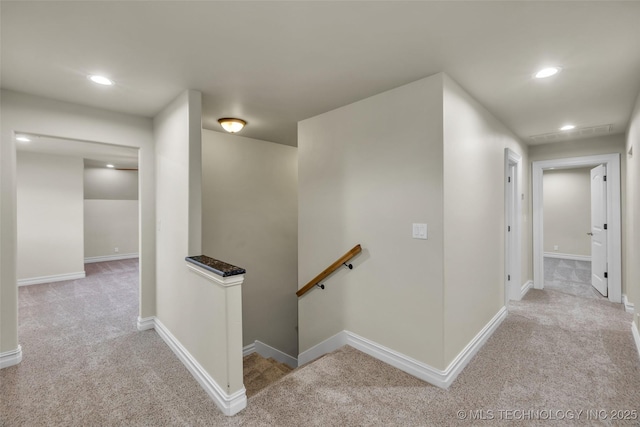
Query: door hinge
(605, 226)
(606, 275)
(509, 179)
(508, 277)
(605, 177)
(509, 228)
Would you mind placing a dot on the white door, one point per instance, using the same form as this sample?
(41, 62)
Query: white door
(599, 229)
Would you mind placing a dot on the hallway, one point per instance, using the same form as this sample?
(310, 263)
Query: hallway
(86, 364)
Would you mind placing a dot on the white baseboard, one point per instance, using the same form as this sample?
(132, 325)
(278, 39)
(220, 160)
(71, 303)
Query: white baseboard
(11, 358)
(248, 349)
(628, 306)
(51, 279)
(437, 377)
(146, 323)
(327, 346)
(104, 258)
(229, 404)
(521, 291)
(567, 256)
(636, 336)
(267, 351)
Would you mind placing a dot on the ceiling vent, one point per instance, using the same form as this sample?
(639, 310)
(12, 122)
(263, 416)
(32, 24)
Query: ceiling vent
(572, 134)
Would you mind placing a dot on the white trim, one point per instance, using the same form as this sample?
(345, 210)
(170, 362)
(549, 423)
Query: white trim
(571, 257)
(248, 349)
(146, 323)
(215, 278)
(104, 258)
(327, 346)
(442, 379)
(513, 239)
(520, 291)
(229, 404)
(636, 336)
(11, 357)
(614, 245)
(629, 307)
(52, 279)
(267, 351)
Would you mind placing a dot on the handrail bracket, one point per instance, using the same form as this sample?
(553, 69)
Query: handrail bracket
(317, 281)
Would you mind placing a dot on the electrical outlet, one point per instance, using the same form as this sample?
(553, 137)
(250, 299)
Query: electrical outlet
(116, 250)
(555, 247)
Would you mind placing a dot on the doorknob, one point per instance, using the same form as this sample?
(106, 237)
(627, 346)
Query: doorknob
(589, 234)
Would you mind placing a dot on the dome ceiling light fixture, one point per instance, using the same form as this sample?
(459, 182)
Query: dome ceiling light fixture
(232, 125)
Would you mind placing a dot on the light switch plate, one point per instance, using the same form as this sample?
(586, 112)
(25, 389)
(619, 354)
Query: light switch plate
(420, 231)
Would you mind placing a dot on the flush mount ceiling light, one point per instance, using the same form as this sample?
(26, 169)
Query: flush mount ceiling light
(110, 166)
(101, 80)
(23, 138)
(567, 127)
(547, 72)
(232, 125)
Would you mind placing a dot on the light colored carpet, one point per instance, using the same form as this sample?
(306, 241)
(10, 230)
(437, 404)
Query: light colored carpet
(86, 364)
(570, 277)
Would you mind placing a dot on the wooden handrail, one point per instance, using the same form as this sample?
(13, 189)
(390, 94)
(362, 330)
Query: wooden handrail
(333, 267)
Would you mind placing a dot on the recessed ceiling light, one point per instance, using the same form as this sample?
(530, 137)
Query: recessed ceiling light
(567, 127)
(23, 138)
(547, 72)
(101, 80)
(110, 166)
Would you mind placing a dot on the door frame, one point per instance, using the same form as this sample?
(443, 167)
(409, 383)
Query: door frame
(513, 216)
(614, 218)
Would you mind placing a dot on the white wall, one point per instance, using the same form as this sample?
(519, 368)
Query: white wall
(578, 148)
(32, 114)
(474, 224)
(250, 218)
(110, 224)
(200, 315)
(567, 211)
(50, 216)
(632, 243)
(364, 179)
(110, 213)
(367, 171)
(110, 184)
(174, 140)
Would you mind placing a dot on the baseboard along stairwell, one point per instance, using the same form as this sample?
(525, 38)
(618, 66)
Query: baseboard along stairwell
(229, 404)
(423, 371)
(269, 352)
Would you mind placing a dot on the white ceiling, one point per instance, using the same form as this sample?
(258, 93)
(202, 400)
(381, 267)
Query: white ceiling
(275, 63)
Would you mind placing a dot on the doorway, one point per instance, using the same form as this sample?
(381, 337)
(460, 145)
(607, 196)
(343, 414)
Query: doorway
(613, 213)
(89, 192)
(512, 214)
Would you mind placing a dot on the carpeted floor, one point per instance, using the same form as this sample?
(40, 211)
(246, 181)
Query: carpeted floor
(570, 277)
(86, 364)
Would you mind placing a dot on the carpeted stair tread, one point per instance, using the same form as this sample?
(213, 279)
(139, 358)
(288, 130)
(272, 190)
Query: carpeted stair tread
(281, 366)
(259, 373)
